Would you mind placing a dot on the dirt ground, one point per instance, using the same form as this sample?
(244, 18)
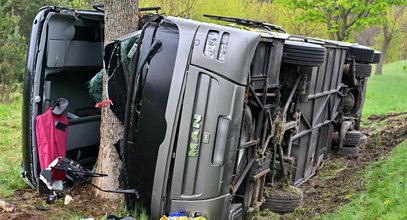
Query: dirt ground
(84, 204)
(324, 193)
(334, 184)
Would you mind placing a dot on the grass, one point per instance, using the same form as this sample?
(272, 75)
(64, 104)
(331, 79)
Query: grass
(332, 169)
(138, 213)
(385, 196)
(10, 148)
(11, 158)
(387, 92)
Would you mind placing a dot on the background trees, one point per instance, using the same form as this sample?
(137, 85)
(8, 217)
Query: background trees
(16, 18)
(361, 21)
(344, 17)
(12, 51)
(341, 17)
(390, 28)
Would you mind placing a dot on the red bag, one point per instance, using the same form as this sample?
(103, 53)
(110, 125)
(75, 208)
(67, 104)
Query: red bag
(51, 132)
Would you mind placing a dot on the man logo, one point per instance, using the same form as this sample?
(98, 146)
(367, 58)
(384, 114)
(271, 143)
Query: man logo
(196, 131)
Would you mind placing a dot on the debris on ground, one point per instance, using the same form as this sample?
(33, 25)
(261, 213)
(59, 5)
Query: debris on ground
(7, 207)
(333, 186)
(43, 208)
(68, 199)
(113, 217)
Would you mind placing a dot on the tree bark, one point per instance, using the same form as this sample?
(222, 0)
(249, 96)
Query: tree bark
(385, 47)
(388, 32)
(120, 19)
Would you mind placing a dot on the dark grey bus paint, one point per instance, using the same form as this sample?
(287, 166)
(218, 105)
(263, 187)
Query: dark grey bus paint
(216, 114)
(206, 91)
(28, 171)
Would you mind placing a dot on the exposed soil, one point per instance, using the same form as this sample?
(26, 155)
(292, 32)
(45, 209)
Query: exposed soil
(83, 204)
(331, 188)
(337, 182)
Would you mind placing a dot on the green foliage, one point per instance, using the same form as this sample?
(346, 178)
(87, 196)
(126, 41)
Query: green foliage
(402, 22)
(387, 92)
(12, 52)
(78, 4)
(27, 10)
(301, 17)
(16, 18)
(273, 13)
(342, 16)
(196, 9)
(386, 190)
(95, 86)
(395, 22)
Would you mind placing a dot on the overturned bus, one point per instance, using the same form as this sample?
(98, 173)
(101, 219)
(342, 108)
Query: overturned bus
(219, 121)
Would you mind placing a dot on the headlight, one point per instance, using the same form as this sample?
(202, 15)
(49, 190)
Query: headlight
(210, 46)
(223, 46)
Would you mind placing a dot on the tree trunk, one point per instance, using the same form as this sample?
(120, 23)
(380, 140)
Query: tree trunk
(120, 19)
(172, 8)
(340, 36)
(388, 32)
(385, 47)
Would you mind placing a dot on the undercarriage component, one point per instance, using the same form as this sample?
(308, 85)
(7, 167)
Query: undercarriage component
(349, 140)
(352, 138)
(363, 70)
(376, 57)
(348, 150)
(304, 54)
(363, 139)
(362, 53)
(358, 97)
(344, 128)
(247, 132)
(283, 200)
(348, 102)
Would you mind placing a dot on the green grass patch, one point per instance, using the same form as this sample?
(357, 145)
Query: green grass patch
(139, 213)
(387, 92)
(385, 196)
(10, 148)
(332, 168)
